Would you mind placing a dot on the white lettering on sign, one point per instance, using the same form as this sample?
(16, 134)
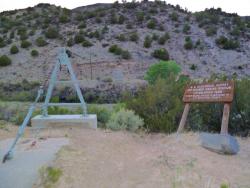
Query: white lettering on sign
(212, 92)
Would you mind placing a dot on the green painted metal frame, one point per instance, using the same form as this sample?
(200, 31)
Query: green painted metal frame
(63, 59)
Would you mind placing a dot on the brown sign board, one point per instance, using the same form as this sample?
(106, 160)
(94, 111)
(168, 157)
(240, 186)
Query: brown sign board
(210, 92)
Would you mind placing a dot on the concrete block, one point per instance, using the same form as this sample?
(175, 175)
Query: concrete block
(89, 121)
(224, 144)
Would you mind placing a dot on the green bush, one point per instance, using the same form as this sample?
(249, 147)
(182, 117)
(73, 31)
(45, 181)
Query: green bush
(160, 110)
(103, 114)
(79, 38)
(121, 37)
(23, 37)
(119, 51)
(236, 31)
(161, 53)
(162, 40)
(41, 42)
(2, 42)
(129, 26)
(115, 49)
(155, 36)
(21, 30)
(186, 28)
(4, 61)
(14, 49)
(98, 20)
(25, 44)
(125, 120)
(147, 42)
(113, 18)
(188, 45)
(174, 16)
(131, 5)
(163, 70)
(70, 42)
(140, 16)
(227, 44)
(193, 67)
(125, 54)
(240, 113)
(51, 33)
(210, 31)
(12, 35)
(207, 17)
(34, 53)
(63, 18)
(86, 43)
(82, 25)
(152, 24)
(32, 32)
(134, 37)
(121, 19)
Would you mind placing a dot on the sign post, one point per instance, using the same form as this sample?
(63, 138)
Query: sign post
(218, 92)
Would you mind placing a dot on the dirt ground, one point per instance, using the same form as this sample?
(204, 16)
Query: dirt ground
(107, 159)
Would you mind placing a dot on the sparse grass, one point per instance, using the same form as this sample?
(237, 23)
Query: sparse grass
(50, 176)
(224, 185)
(3, 125)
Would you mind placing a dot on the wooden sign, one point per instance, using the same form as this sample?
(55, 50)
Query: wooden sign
(221, 92)
(209, 92)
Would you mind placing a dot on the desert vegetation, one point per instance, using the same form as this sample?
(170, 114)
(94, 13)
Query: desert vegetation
(41, 26)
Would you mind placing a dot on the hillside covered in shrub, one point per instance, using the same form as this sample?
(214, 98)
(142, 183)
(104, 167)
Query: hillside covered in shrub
(202, 43)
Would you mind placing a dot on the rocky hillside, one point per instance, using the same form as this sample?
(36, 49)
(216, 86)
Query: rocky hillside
(119, 41)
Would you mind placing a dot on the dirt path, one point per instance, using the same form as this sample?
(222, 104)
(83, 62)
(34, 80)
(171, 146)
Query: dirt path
(105, 159)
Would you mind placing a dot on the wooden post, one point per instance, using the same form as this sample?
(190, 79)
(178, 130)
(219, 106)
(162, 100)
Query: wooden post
(183, 118)
(225, 119)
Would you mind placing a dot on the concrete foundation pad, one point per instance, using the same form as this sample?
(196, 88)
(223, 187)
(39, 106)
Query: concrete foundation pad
(224, 144)
(88, 121)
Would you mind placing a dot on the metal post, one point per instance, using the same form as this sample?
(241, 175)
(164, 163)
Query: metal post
(50, 89)
(75, 82)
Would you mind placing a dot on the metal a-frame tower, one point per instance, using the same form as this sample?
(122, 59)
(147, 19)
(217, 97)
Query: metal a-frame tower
(90, 119)
(62, 59)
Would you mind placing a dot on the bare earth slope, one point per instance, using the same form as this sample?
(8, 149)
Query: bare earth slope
(120, 159)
